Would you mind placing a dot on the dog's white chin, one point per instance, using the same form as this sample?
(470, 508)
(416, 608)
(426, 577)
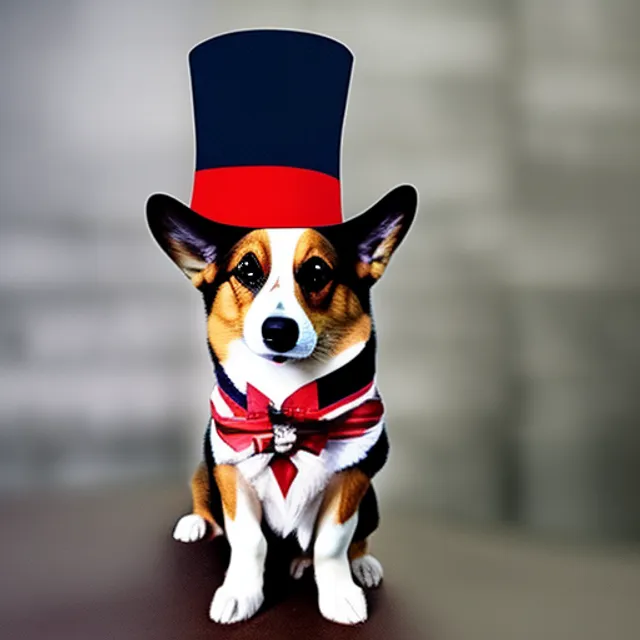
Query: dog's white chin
(304, 350)
(282, 358)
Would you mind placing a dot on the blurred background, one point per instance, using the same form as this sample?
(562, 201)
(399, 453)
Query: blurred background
(509, 353)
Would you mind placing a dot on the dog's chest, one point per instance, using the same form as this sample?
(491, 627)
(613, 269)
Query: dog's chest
(293, 508)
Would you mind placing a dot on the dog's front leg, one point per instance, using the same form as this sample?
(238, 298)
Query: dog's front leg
(339, 598)
(240, 595)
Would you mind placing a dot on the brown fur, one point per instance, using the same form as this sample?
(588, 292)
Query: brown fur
(344, 324)
(343, 495)
(200, 495)
(358, 549)
(335, 312)
(232, 301)
(207, 275)
(256, 242)
(311, 244)
(354, 486)
(227, 481)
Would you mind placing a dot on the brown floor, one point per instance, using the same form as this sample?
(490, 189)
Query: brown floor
(105, 567)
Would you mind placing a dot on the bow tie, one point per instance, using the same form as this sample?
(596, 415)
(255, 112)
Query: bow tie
(299, 425)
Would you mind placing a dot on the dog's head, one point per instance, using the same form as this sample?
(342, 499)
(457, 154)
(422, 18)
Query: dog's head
(289, 294)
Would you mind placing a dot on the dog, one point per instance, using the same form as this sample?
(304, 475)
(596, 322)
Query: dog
(297, 429)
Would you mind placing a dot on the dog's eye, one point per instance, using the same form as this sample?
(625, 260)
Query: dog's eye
(314, 275)
(249, 272)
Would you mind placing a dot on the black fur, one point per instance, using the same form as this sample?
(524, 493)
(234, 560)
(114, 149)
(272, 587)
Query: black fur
(173, 224)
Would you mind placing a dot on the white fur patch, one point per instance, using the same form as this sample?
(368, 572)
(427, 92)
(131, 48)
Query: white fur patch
(307, 523)
(234, 603)
(240, 595)
(339, 598)
(367, 571)
(340, 454)
(277, 298)
(190, 528)
(299, 565)
(299, 508)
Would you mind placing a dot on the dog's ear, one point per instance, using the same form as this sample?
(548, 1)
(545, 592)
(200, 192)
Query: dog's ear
(378, 232)
(194, 243)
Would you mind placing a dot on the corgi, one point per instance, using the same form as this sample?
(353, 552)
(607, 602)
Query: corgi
(297, 429)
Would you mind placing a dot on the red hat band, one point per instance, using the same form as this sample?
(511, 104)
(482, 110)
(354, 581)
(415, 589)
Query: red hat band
(267, 196)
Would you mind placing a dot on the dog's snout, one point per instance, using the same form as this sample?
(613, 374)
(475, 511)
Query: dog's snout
(280, 334)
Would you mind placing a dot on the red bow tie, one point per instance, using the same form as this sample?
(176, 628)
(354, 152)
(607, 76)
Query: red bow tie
(303, 425)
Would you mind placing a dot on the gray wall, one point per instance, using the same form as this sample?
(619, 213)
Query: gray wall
(509, 352)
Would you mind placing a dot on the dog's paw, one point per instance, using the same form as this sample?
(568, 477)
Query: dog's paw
(299, 565)
(343, 602)
(367, 571)
(190, 528)
(235, 603)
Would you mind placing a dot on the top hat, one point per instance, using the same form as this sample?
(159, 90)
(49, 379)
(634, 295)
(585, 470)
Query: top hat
(269, 107)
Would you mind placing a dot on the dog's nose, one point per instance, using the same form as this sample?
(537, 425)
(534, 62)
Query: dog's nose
(280, 334)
